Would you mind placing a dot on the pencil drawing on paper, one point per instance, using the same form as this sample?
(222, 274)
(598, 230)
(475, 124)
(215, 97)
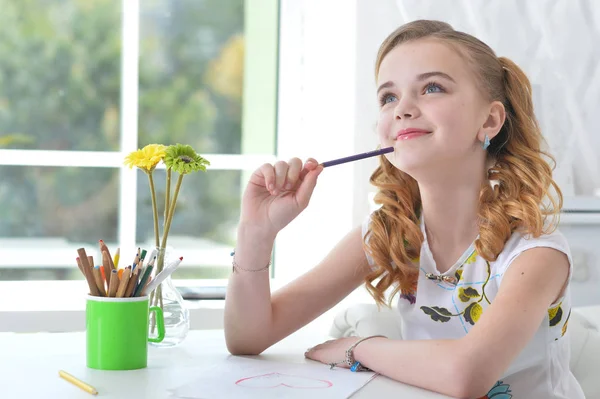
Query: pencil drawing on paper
(274, 380)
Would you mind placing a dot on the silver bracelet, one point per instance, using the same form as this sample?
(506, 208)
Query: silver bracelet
(235, 266)
(349, 360)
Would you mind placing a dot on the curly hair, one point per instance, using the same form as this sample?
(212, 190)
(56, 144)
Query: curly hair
(516, 196)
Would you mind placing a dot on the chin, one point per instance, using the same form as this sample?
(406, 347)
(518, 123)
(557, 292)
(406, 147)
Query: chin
(412, 164)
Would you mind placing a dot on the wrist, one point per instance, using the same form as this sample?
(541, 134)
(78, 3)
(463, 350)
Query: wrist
(253, 248)
(255, 233)
(362, 350)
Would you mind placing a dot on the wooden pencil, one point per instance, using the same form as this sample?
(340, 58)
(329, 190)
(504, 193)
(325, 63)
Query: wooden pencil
(106, 266)
(79, 265)
(132, 283)
(78, 383)
(124, 282)
(87, 272)
(99, 281)
(91, 261)
(116, 258)
(136, 259)
(143, 292)
(143, 281)
(104, 247)
(114, 283)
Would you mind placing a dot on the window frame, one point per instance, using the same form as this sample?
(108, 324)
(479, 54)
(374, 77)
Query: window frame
(259, 125)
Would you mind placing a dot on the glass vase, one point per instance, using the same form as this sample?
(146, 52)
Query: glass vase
(168, 298)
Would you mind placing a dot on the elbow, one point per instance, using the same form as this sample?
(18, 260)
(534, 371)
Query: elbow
(243, 347)
(242, 350)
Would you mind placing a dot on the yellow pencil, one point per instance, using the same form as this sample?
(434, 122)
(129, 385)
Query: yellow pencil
(117, 257)
(86, 387)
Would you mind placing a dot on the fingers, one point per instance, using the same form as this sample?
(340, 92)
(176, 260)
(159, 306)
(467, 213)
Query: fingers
(285, 176)
(268, 173)
(310, 164)
(307, 186)
(281, 169)
(293, 174)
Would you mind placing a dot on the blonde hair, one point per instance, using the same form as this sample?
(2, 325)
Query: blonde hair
(520, 200)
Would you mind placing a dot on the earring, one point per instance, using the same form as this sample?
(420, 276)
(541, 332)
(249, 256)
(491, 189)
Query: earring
(486, 142)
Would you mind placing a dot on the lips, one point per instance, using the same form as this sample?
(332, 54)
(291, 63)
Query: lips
(410, 133)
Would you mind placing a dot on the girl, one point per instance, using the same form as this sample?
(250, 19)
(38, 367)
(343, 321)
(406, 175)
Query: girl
(465, 234)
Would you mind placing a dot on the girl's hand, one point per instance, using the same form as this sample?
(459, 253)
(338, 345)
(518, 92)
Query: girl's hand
(277, 193)
(333, 351)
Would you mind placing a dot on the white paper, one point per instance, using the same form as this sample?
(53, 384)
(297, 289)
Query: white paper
(239, 377)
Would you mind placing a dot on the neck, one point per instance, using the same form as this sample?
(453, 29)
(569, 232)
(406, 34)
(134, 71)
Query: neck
(450, 212)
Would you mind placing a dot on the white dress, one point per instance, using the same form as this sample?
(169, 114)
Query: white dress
(449, 309)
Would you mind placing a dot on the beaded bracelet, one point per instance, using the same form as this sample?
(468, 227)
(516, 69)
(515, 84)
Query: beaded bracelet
(350, 361)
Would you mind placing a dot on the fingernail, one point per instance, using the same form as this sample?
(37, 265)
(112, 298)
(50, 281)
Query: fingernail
(271, 187)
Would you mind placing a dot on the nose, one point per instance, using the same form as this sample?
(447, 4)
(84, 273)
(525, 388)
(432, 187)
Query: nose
(406, 108)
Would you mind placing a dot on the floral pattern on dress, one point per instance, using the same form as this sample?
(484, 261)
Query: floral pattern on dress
(499, 391)
(467, 294)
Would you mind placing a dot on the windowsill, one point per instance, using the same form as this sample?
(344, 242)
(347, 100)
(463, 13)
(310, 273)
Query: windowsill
(59, 306)
(48, 296)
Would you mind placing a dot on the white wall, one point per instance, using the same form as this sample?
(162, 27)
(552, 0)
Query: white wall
(544, 37)
(328, 106)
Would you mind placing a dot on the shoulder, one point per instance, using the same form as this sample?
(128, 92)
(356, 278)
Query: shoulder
(520, 242)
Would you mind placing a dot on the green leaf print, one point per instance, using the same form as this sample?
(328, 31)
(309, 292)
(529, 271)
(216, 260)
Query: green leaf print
(466, 294)
(437, 314)
(458, 275)
(555, 314)
(473, 312)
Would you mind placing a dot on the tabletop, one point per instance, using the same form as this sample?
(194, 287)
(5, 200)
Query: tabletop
(29, 365)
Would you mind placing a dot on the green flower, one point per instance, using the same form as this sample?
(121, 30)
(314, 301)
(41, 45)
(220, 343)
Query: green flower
(183, 159)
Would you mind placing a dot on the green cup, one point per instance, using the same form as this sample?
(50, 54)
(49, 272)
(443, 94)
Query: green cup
(117, 332)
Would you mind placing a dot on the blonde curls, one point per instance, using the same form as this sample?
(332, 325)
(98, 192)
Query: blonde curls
(521, 200)
(394, 237)
(517, 196)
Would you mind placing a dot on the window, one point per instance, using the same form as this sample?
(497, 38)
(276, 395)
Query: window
(84, 82)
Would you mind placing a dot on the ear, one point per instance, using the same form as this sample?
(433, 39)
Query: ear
(494, 122)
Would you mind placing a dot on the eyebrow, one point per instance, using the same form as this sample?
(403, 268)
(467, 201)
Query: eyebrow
(420, 77)
(428, 75)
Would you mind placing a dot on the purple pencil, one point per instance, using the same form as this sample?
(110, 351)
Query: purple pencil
(356, 157)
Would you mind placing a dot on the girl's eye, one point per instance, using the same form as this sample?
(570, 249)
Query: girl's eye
(386, 99)
(433, 87)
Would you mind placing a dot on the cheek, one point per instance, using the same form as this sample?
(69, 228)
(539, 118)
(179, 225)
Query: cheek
(383, 124)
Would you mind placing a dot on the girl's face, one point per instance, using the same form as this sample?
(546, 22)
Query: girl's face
(431, 110)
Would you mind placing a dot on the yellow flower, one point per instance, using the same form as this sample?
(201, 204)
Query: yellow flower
(147, 158)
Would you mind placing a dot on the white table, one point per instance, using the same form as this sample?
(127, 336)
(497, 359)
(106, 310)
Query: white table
(29, 365)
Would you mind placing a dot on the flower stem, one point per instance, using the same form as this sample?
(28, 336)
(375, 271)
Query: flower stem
(171, 211)
(167, 198)
(154, 207)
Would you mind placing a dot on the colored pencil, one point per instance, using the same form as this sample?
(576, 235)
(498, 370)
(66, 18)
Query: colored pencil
(114, 283)
(356, 157)
(77, 382)
(143, 281)
(87, 272)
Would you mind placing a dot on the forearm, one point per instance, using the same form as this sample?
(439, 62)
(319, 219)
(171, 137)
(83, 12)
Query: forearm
(436, 365)
(248, 313)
